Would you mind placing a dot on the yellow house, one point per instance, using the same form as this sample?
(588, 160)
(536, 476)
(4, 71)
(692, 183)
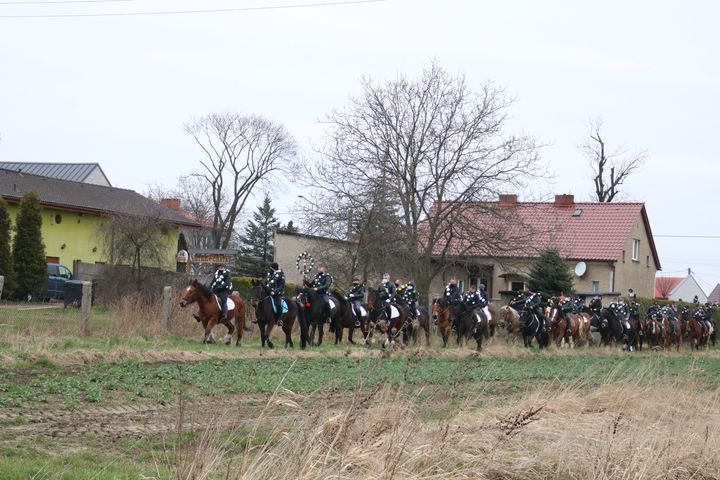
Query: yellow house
(74, 213)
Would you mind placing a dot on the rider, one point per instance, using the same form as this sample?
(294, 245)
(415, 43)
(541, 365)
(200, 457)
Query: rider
(221, 286)
(472, 299)
(595, 305)
(355, 295)
(321, 284)
(533, 303)
(387, 292)
(275, 282)
(452, 293)
(410, 298)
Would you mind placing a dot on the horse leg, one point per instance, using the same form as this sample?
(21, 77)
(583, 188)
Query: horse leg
(338, 331)
(231, 328)
(321, 332)
(268, 330)
(261, 327)
(208, 329)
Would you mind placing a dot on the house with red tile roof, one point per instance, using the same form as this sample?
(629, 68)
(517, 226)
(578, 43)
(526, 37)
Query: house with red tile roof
(609, 247)
(679, 288)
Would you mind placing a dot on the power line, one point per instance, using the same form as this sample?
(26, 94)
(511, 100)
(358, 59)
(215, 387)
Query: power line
(182, 12)
(64, 2)
(686, 236)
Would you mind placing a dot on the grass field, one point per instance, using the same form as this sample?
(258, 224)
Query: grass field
(133, 401)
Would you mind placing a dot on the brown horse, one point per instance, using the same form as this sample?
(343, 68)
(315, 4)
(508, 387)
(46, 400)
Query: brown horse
(441, 316)
(210, 311)
(391, 327)
(346, 318)
(509, 320)
(697, 333)
(567, 327)
(422, 322)
(673, 332)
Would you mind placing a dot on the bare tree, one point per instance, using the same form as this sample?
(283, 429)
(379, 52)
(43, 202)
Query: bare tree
(136, 240)
(409, 164)
(610, 169)
(664, 286)
(240, 152)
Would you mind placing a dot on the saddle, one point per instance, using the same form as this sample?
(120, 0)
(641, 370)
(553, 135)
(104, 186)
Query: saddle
(283, 304)
(362, 313)
(230, 303)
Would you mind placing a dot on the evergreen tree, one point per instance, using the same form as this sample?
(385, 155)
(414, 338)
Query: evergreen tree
(257, 251)
(182, 245)
(28, 253)
(550, 275)
(6, 264)
(290, 227)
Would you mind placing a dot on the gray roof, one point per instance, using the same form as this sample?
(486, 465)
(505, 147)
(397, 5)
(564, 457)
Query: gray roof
(714, 296)
(85, 197)
(74, 172)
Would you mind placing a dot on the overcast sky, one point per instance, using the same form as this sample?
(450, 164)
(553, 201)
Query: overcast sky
(117, 90)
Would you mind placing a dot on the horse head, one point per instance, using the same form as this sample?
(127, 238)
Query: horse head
(189, 294)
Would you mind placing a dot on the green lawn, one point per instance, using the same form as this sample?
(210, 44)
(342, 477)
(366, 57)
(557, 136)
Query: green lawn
(42, 381)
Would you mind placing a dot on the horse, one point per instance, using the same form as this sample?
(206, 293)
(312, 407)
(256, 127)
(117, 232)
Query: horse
(614, 327)
(390, 327)
(422, 322)
(473, 324)
(345, 318)
(564, 326)
(509, 320)
(312, 315)
(441, 315)
(534, 326)
(673, 332)
(653, 330)
(210, 311)
(697, 333)
(262, 301)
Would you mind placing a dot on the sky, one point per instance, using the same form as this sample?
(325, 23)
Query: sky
(118, 89)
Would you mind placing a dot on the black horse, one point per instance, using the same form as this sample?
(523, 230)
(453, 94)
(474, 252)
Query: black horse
(614, 327)
(344, 317)
(313, 316)
(472, 324)
(262, 301)
(534, 326)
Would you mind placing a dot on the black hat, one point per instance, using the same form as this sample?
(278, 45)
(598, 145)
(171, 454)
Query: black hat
(274, 266)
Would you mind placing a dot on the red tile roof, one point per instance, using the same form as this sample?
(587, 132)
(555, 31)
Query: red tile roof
(579, 231)
(664, 286)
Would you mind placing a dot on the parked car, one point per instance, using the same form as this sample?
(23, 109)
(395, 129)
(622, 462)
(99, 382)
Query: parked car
(57, 276)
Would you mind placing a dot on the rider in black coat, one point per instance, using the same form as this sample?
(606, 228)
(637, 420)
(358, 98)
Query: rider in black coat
(355, 296)
(221, 286)
(452, 293)
(275, 282)
(321, 284)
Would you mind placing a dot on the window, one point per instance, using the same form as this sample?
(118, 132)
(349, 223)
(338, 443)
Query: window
(623, 256)
(58, 218)
(636, 250)
(647, 261)
(64, 272)
(461, 285)
(517, 286)
(595, 286)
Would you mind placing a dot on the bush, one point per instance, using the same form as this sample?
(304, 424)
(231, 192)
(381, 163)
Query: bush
(551, 276)
(28, 253)
(6, 265)
(646, 303)
(243, 286)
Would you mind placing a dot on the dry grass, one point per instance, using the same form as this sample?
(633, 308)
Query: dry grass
(615, 431)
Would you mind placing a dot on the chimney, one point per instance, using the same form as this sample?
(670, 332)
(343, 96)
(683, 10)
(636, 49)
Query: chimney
(507, 200)
(564, 200)
(171, 203)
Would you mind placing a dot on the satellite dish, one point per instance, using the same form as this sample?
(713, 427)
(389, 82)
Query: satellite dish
(580, 269)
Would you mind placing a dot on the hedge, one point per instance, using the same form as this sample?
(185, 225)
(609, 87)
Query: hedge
(243, 286)
(646, 303)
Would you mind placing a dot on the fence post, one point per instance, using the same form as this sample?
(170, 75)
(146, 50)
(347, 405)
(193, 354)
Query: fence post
(167, 305)
(2, 284)
(85, 306)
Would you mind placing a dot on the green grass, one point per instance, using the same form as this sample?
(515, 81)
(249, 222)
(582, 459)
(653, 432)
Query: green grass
(133, 380)
(14, 466)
